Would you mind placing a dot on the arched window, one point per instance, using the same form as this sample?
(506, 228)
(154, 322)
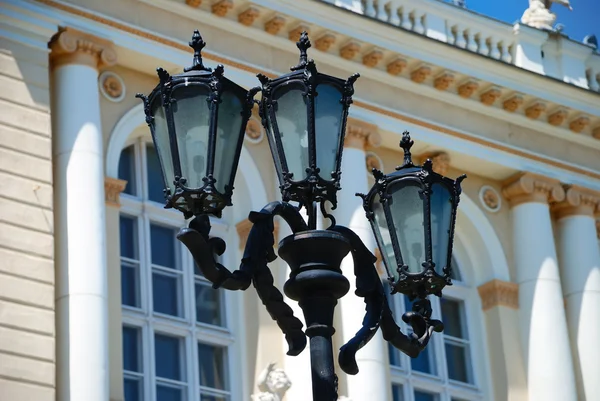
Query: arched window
(177, 332)
(446, 370)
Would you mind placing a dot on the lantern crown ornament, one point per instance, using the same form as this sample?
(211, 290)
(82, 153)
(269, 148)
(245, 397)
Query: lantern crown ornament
(197, 120)
(412, 212)
(304, 114)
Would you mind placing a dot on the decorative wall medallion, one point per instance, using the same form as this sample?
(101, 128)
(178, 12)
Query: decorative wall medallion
(490, 199)
(221, 8)
(372, 59)
(467, 88)
(558, 117)
(421, 73)
(535, 111)
(324, 42)
(111, 86)
(579, 124)
(274, 25)
(249, 16)
(295, 33)
(512, 103)
(254, 131)
(396, 66)
(596, 133)
(349, 50)
(440, 161)
(193, 3)
(443, 81)
(490, 96)
(373, 161)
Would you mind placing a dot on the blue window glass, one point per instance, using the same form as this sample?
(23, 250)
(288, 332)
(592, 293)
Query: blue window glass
(211, 361)
(127, 169)
(456, 359)
(206, 397)
(131, 349)
(164, 393)
(132, 389)
(163, 246)
(129, 284)
(397, 393)
(452, 318)
(168, 357)
(423, 396)
(128, 237)
(208, 304)
(165, 293)
(424, 362)
(156, 184)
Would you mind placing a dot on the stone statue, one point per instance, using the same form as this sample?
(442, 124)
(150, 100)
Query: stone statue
(272, 383)
(538, 15)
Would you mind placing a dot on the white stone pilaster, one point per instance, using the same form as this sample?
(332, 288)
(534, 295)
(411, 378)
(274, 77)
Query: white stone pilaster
(543, 328)
(79, 216)
(579, 258)
(371, 383)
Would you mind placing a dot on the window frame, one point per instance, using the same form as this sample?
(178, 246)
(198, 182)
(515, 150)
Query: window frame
(229, 335)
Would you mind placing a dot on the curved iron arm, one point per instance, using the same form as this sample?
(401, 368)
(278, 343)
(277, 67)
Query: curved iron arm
(253, 269)
(369, 287)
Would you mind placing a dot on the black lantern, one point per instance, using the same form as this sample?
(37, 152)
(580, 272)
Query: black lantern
(412, 213)
(197, 120)
(304, 114)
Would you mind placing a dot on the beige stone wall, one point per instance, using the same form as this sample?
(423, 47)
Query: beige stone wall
(26, 233)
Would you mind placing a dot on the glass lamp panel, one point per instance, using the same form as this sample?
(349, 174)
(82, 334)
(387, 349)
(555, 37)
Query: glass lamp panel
(273, 146)
(406, 206)
(162, 142)
(229, 120)
(328, 118)
(153, 174)
(191, 114)
(441, 218)
(382, 233)
(291, 119)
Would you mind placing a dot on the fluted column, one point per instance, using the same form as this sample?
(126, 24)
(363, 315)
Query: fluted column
(579, 259)
(79, 216)
(543, 325)
(371, 382)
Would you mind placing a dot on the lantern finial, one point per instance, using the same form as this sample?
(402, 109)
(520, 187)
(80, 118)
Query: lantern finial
(303, 44)
(406, 143)
(197, 43)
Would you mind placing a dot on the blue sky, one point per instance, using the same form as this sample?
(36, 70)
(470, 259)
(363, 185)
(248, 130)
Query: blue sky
(582, 21)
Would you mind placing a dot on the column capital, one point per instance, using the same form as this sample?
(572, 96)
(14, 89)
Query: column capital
(359, 134)
(441, 161)
(112, 191)
(70, 46)
(529, 187)
(578, 201)
(499, 293)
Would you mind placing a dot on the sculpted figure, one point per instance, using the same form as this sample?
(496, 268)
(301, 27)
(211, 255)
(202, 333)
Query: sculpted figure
(538, 15)
(273, 384)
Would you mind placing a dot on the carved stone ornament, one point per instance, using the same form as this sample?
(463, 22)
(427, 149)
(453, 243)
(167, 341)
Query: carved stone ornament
(248, 16)
(222, 7)
(325, 42)
(243, 229)
(529, 187)
(499, 293)
(274, 25)
(359, 134)
(579, 124)
(490, 96)
(578, 201)
(254, 131)
(443, 81)
(372, 58)
(397, 66)
(379, 267)
(294, 34)
(193, 3)
(111, 86)
(272, 383)
(112, 191)
(535, 110)
(70, 46)
(539, 16)
(558, 117)
(596, 132)
(420, 73)
(490, 199)
(512, 103)
(349, 50)
(467, 89)
(440, 160)
(373, 161)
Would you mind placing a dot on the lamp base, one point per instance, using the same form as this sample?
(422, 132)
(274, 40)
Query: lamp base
(316, 282)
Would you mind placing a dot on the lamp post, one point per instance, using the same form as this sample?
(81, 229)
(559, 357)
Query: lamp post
(197, 120)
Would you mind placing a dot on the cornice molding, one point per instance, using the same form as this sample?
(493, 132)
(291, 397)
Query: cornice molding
(112, 191)
(71, 46)
(578, 201)
(528, 187)
(499, 293)
(360, 134)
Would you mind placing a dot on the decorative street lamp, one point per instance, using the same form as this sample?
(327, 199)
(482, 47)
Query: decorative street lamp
(198, 119)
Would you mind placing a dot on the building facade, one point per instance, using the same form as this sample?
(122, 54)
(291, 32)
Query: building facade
(98, 300)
